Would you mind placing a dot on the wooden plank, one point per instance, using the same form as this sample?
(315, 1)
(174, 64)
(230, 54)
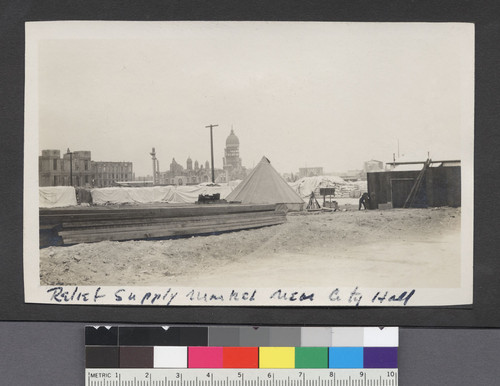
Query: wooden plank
(162, 220)
(183, 224)
(90, 225)
(156, 234)
(57, 219)
(177, 225)
(184, 211)
(140, 234)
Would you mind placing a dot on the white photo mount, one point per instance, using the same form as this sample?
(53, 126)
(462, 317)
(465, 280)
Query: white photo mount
(455, 38)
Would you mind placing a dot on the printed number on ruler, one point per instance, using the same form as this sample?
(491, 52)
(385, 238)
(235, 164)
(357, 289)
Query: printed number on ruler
(241, 377)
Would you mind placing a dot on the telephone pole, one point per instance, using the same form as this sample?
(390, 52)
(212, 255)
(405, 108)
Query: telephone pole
(212, 150)
(70, 167)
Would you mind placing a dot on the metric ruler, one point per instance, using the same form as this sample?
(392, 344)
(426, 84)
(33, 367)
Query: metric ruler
(241, 377)
(240, 356)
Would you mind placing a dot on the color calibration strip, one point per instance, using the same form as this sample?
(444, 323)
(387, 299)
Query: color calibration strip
(177, 347)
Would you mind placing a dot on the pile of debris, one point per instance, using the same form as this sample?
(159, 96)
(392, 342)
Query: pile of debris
(343, 189)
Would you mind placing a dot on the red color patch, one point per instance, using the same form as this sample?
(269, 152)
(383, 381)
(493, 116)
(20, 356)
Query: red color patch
(241, 357)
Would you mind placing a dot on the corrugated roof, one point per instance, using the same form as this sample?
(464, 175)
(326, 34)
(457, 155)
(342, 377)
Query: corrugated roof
(415, 166)
(451, 163)
(406, 168)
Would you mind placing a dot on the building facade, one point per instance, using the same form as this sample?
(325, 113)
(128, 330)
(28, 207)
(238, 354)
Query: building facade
(54, 170)
(353, 175)
(77, 169)
(231, 162)
(373, 166)
(109, 173)
(178, 175)
(198, 172)
(51, 169)
(232, 158)
(311, 172)
(440, 185)
(232, 165)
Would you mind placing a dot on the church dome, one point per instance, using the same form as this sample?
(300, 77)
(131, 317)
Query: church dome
(232, 140)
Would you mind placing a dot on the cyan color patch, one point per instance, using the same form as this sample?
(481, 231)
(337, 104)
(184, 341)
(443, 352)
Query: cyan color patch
(345, 358)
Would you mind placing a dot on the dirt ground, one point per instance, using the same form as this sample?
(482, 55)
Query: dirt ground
(396, 248)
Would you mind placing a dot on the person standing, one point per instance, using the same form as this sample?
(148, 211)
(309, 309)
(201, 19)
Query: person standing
(364, 200)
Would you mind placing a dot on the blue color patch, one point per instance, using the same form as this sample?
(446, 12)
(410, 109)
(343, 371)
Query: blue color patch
(345, 358)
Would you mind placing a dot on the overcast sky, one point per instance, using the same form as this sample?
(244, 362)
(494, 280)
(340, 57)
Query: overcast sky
(302, 94)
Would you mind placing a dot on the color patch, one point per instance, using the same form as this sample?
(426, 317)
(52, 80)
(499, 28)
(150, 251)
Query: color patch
(205, 357)
(136, 357)
(311, 357)
(241, 347)
(254, 337)
(345, 358)
(316, 337)
(149, 336)
(347, 337)
(380, 357)
(224, 336)
(284, 336)
(102, 357)
(101, 336)
(240, 357)
(193, 336)
(381, 337)
(170, 357)
(277, 357)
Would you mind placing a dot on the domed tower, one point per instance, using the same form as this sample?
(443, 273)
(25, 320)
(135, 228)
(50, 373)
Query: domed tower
(232, 160)
(196, 165)
(189, 164)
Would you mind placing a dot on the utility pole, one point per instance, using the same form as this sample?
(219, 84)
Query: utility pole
(212, 150)
(70, 167)
(153, 157)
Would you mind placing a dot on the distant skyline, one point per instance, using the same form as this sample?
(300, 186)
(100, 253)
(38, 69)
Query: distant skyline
(302, 94)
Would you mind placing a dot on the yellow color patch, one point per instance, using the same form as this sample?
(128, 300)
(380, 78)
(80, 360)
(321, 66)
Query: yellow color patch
(276, 357)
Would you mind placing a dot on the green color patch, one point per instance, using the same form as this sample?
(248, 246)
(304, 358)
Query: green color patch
(311, 357)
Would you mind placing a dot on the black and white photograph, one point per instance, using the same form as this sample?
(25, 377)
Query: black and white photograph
(249, 163)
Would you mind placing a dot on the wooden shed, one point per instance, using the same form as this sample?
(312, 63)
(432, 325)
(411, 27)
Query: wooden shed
(440, 185)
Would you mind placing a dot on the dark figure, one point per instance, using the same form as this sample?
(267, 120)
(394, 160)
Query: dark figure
(365, 201)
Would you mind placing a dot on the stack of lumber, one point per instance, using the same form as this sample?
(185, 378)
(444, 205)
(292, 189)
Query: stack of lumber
(63, 226)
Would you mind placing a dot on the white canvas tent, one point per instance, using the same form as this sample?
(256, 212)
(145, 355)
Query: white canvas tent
(265, 186)
(56, 196)
(156, 194)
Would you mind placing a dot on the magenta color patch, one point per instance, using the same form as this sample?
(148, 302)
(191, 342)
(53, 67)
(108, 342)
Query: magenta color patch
(205, 357)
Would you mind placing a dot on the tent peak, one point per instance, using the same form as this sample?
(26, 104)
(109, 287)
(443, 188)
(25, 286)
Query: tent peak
(264, 185)
(265, 159)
